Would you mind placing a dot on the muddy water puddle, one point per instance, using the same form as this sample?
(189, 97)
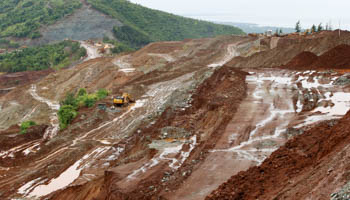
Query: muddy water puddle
(276, 101)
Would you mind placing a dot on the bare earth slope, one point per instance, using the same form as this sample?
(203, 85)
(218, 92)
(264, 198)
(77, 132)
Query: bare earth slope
(197, 124)
(310, 166)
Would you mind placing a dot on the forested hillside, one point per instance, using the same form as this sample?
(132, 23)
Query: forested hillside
(143, 25)
(126, 25)
(39, 58)
(22, 18)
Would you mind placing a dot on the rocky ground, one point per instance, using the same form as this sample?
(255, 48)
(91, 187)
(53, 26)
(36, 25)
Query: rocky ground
(206, 110)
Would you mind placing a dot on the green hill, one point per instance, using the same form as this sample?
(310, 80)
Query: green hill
(143, 25)
(140, 25)
(56, 56)
(22, 18)
(127, 25)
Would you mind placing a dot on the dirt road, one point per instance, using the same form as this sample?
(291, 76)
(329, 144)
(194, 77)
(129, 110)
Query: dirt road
(91, 50)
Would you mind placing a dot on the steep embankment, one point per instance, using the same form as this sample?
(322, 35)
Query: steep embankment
(310, 166)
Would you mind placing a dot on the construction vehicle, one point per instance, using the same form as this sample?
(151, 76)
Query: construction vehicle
(123, 100)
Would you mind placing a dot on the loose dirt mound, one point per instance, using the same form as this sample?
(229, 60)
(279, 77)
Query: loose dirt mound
(301, 169)
(336, 58)
(302, 61)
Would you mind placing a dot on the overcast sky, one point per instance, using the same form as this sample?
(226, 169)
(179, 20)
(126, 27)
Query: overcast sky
(263, 12)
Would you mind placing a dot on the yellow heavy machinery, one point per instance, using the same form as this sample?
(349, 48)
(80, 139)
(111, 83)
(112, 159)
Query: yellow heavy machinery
(123, 100)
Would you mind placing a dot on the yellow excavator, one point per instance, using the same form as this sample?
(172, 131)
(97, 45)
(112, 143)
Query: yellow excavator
(123, 100)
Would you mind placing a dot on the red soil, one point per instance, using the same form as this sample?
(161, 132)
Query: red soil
(11, 138)
(10, 81)
(336, 58)
(302, 61)
(292, 172)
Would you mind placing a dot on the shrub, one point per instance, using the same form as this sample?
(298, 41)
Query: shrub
(25, 125)
(82, 92)
(66, 114)
(90, 100)
(69, 100)
(71, 104)
(102, 93)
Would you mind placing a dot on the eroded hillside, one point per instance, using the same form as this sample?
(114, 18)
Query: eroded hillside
(205, 111)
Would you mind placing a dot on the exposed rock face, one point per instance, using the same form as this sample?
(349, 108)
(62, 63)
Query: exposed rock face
(86, 23)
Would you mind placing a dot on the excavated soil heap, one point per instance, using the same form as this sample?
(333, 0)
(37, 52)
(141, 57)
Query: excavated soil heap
(336, 58)
(302, 61)
(296, 170)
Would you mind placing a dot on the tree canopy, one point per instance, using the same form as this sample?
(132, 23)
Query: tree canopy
(22, 18)
(39, 58)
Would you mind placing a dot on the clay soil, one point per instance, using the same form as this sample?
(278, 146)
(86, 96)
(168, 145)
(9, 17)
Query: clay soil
(189, 120)
(336, 58)
(306, 167)
(10, 81)
(208, 109)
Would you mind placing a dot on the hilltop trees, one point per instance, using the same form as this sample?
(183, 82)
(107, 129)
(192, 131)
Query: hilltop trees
(313, 28)
(320, 27)
(298, 27)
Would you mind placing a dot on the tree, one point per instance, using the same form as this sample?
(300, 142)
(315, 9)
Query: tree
(276, 33)
(313, 28)
(66, 114)
(320, 28)
(70, 100)
(298, 27)
(281, 32)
